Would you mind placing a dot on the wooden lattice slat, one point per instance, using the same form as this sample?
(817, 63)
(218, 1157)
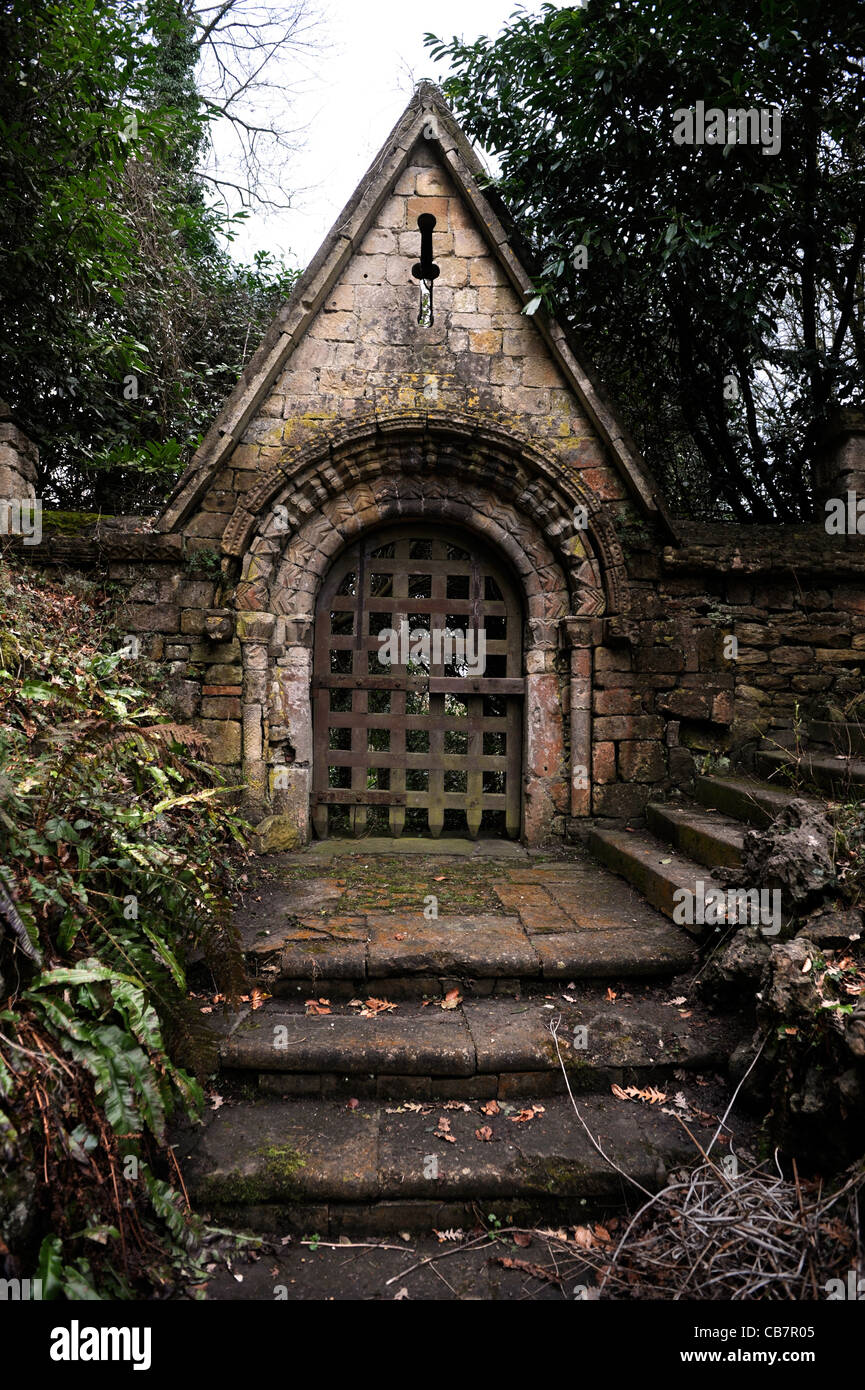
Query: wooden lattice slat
(409, 738)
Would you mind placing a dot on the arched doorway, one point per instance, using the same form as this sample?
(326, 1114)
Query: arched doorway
(418, 688)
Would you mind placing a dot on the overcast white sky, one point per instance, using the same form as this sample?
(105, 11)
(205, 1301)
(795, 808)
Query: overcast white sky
(354, 90)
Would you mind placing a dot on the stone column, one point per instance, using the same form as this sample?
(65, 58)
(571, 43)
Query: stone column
(18, 473)
(840, 464)
(254, 631)
(545, 748)
(581, 635)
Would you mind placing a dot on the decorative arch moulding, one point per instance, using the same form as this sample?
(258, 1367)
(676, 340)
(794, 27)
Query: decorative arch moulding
(469, 448)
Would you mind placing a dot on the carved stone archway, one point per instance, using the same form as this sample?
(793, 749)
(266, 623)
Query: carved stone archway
(302, 515)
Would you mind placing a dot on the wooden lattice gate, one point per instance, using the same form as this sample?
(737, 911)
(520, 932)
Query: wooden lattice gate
(417, 689)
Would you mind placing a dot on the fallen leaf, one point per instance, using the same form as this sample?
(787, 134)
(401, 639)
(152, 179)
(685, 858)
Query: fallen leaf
(258, 998)
(649, 1094)
(679, 999)
(539, 1271)
(450, 1234)
(523, 1117)
(610, 995)
(522, 1239)
(403, 1293)
(491, 1108)
(373, 1007)
(485, 1134)
(583, 1237)
(443, 1131)
(452, 999)
(316, 1006)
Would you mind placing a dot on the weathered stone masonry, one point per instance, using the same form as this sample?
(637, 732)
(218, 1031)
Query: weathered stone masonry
(352, 416)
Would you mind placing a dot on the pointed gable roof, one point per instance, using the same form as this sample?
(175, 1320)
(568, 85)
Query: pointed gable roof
(427, 117)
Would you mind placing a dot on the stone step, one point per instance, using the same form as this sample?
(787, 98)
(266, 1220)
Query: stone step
(486, 1049)
(658, 871)
(841, 776)
(743, 798)
(709, 837)
(842, 736)
(325, 1167)
(407, 955)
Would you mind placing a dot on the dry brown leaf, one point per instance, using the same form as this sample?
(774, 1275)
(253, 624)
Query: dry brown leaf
(491, 1108)
(537, 1270)
(372, 1007)
(522, 1239)
(649, 1094)
(452, 999)
(583, 1237)
(485, 1134)
(317, 1006)
(610, 995)
(443, 1131)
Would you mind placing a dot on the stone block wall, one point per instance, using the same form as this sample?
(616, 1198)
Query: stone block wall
(19, 461)
(669, 688)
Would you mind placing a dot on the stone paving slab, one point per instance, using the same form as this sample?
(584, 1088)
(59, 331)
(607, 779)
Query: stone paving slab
(598, 900)
(482, 945)
(538, 911)
(264, 913)
(638, 951)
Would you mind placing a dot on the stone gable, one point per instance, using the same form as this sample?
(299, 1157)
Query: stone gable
(364, 353)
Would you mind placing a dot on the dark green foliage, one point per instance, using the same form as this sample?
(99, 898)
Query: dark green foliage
(125, 321)
(114, 843)
(722, 298)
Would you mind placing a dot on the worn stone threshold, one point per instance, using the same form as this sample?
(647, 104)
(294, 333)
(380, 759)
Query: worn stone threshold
(326, 850)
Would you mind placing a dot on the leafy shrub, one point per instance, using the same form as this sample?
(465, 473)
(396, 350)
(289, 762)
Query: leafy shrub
(114, 870)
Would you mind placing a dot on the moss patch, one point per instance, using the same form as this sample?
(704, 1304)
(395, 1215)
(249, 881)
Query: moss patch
(401, 883)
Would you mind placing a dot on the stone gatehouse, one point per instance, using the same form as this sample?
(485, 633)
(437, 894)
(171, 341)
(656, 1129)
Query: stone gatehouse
(372, 471)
